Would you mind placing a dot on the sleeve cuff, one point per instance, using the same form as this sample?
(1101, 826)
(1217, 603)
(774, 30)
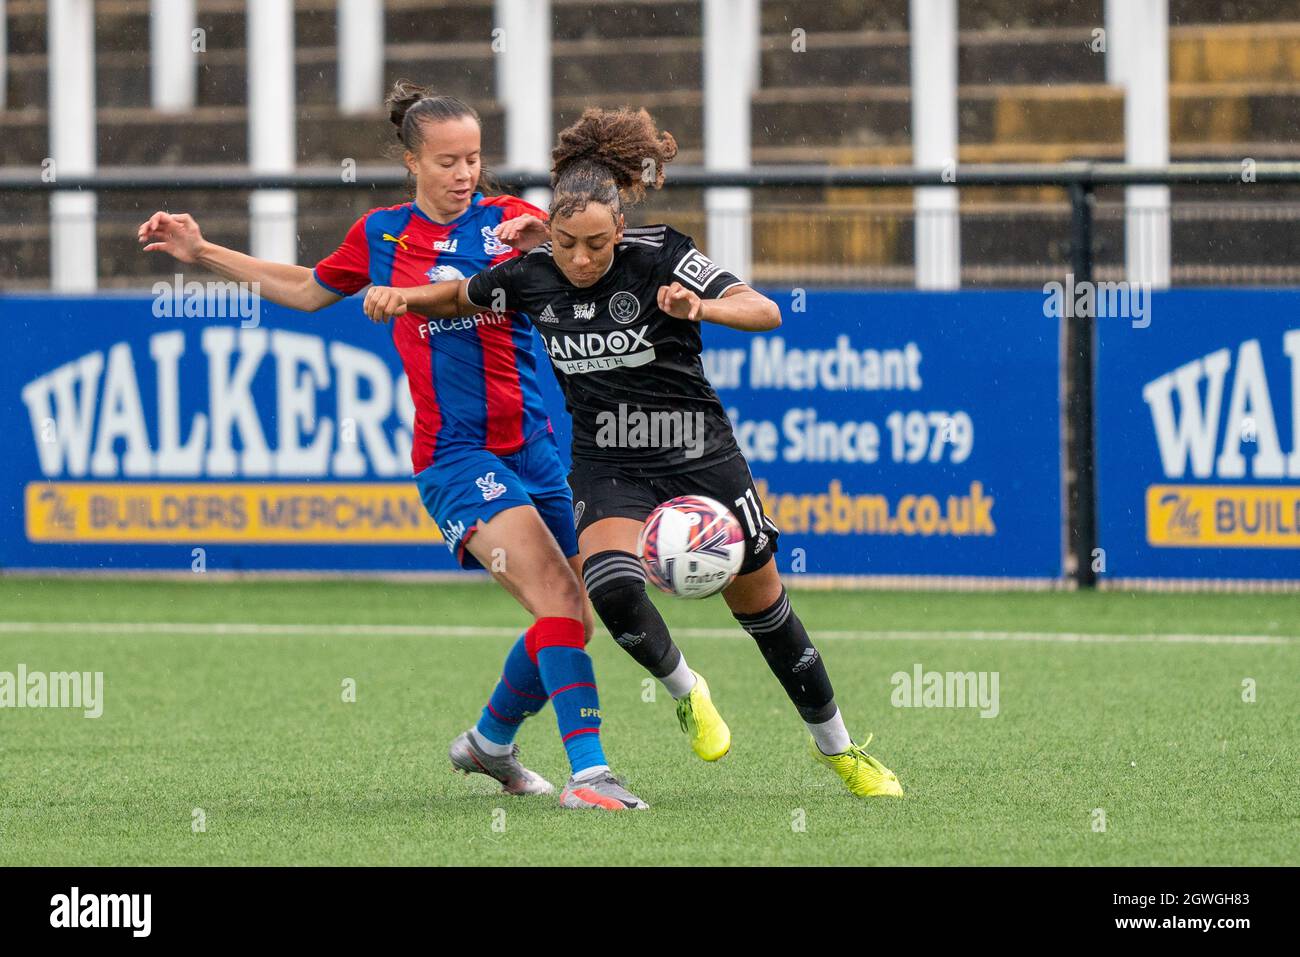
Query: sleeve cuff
(469, 287)
(730, 285)
(324, 285)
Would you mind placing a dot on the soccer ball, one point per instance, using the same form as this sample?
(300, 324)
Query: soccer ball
(691, 546)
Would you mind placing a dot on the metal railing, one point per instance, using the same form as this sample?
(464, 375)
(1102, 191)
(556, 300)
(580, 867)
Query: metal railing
(1086, 175)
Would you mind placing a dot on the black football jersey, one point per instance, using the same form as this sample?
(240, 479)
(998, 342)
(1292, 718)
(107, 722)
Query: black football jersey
(632, 376)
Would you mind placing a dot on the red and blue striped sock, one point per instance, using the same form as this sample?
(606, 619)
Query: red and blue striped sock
(519, 694)
(557, 645)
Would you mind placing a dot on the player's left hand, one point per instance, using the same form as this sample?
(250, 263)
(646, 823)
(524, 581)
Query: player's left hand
(523, 232)
(383, 302)
(679, 302)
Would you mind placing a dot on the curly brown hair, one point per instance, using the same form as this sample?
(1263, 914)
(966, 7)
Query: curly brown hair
(610, 157)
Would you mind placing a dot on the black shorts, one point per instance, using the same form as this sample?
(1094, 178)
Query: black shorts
(604, 490)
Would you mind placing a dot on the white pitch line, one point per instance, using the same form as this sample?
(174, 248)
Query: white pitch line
(476, 631)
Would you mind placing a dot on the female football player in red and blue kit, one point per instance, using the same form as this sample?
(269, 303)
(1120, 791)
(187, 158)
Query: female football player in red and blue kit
(483, 453)
(619, 310)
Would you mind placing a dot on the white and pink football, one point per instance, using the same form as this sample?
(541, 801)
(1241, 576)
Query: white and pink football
(691, 546)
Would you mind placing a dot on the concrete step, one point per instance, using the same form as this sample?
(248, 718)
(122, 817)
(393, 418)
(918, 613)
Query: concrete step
(223, 76)
(1022, 57)
(782, 16)
(1233, 112)
(866, 116)
(1031, 115)
(123, 25)
(1235, 53)
(884, 58)
(130, 136)
(664, 64)
(788, 121)
(1232, 11)
(624, 19)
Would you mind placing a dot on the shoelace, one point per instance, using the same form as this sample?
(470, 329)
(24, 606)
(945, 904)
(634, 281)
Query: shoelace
(860, 755)
(683, 710)
(608, 777)
(605, 777)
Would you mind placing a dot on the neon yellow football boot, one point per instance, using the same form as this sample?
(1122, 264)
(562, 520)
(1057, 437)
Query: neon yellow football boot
(710, 736)
(861, 773)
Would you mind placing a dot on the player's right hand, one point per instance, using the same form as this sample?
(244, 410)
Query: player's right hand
(525, 233)
(174, 233)
(679, 302)
(383, 302)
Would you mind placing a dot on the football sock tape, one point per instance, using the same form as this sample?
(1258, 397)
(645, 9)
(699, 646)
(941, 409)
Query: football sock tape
(616, 585)
(790, 653)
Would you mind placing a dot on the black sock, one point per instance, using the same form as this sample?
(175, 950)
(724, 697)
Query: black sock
(790, 653)
(616, 585)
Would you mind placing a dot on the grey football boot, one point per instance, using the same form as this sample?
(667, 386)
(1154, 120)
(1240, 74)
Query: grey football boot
(469, 758)
(604, 791)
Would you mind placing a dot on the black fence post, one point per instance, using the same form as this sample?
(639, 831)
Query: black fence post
(1080, 336)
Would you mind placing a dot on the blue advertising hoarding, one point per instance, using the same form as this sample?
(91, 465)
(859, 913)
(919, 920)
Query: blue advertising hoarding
(903, 433)
(889, 434)
(1198, 437)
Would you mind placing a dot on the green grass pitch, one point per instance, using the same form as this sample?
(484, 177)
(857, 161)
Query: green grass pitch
(250, 726)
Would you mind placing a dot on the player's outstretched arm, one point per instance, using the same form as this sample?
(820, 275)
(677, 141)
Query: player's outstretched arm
(739, 307)
(439, 300)
(283, 283)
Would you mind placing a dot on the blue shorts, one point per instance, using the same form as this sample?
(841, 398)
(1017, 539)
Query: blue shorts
(466, 487)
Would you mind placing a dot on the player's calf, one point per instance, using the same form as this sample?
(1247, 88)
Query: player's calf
(791, 656)
(616, 585)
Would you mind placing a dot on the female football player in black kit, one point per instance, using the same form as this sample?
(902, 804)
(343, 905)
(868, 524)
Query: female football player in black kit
(619, 310)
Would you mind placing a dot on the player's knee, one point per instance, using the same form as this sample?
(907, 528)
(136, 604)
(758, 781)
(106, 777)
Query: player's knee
(553, 631)
(755, 591)
(616, 584)
(562, 595)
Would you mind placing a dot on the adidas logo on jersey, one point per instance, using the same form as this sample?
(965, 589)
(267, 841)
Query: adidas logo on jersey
(490, 487)
(652, 236)
(548, 315)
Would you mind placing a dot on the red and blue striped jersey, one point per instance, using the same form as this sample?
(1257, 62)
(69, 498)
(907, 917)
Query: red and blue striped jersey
(474, 379)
